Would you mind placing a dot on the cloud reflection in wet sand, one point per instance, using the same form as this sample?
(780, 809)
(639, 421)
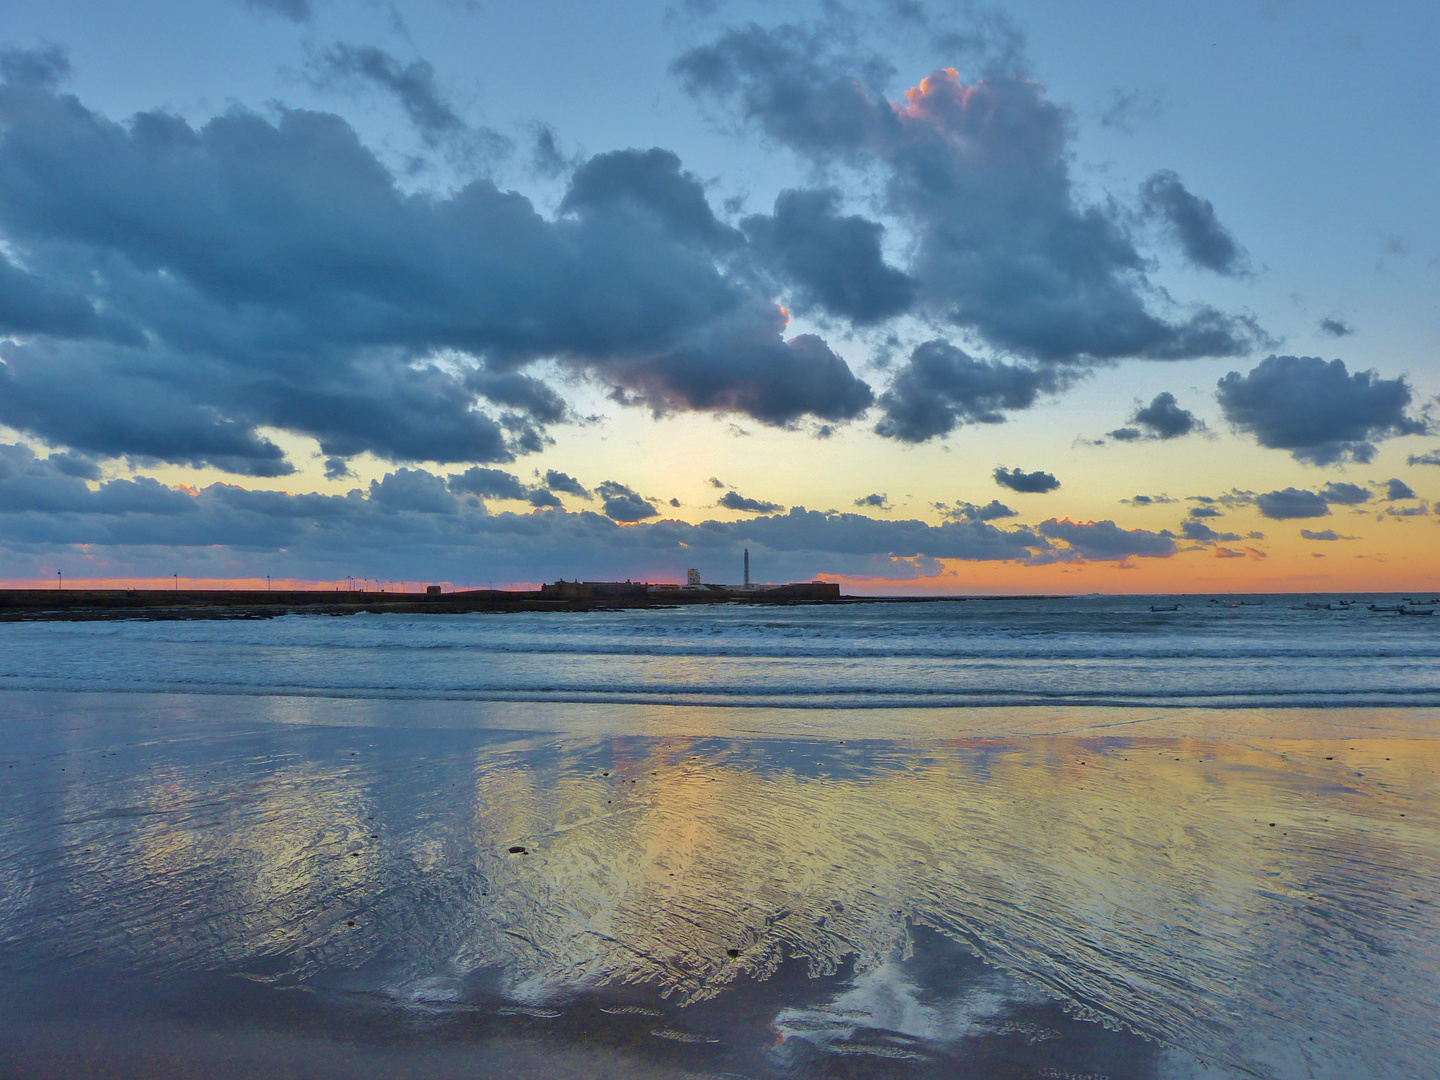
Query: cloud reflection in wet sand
(1267, 903)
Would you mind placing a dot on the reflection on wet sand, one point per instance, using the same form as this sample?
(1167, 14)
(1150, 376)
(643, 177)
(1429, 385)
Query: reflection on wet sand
(1265, 904)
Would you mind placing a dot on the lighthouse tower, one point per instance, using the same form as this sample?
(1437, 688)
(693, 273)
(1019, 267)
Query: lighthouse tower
(747, 568)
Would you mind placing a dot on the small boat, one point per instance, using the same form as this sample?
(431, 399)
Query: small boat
(1417, 611)
(1156, 607)
(1387, 607)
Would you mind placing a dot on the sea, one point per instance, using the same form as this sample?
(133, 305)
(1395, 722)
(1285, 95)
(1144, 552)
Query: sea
(1093, 837)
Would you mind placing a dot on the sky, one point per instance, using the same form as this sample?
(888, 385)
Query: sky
(917, 297)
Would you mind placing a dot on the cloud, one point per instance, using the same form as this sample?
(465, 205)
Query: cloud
(991, 511)
(32, 305)
(1430, 458)
(1204, 512)
(1161, 419)
(1202, 533)
(940, 386)
(559, 481)
(294, 10)
(1165, 419)
(267, 272)
(875, 501)
(43, 68)
(1292, 503)
(1147, 500)
(1104, 541)
(979, 175)
(1126, 108)
(413, 85)
(410, 524)
(337, 468)
(833, 263)
(1396, 489)
(1203, 240)
(733, 500)
(623, 504)
(541, 498)
(1343, 494)
(413, 490)
(1031, 483)
(1318, 411)
(1324, 534)
(488, 484)
(1336, 328)
(716, 482)
(1231, 553)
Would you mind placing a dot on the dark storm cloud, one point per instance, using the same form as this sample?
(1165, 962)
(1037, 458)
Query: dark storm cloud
(1336, 328)
(1031, 483)
(1292, 503)
(980, 176)
(874, 501)
(413, 85)
(559, 481)
(1344, 494)
(271, 273)
(487, 483)
(833, 262)
(1318, 411)
(1396, 489)
(940, 387)
(540, 497)
(623, 504)
(1104, 541)
(733, 500)
(1203, 240)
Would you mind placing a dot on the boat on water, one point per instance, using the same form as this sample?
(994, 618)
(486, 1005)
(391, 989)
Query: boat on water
(1417, 611)
(1156, 607)
(1387, 607)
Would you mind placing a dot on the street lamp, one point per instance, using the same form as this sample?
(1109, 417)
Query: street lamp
(61, 575)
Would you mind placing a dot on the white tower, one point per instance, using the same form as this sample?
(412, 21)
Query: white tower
(747, 568)
(692, 577)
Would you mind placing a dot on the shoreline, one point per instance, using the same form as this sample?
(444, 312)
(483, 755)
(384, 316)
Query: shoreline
(28, 605)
